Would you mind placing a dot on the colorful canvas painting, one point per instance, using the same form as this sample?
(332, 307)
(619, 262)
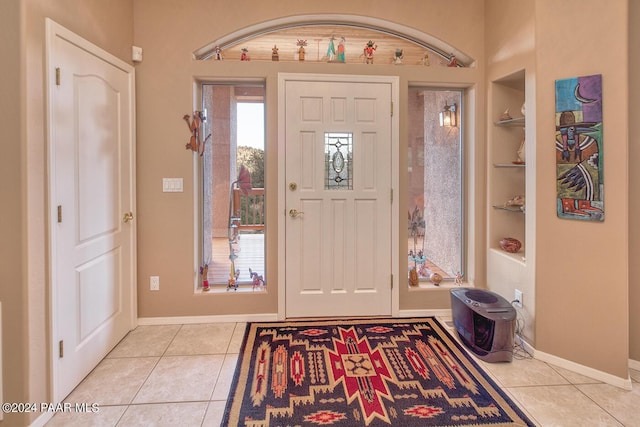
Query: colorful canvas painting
(579, 144)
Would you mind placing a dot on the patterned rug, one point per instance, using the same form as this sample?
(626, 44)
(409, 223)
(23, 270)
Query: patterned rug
(382, 372)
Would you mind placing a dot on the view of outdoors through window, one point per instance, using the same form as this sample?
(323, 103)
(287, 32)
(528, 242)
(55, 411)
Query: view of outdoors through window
(233, 187)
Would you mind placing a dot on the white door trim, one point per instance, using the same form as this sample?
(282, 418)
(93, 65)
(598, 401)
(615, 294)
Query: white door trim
(52, 31)
(395, 156)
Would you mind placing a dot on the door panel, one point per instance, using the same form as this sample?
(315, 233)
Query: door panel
(338, 152)
(92, 186)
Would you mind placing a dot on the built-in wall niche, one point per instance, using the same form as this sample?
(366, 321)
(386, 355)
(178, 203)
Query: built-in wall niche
(507, 168)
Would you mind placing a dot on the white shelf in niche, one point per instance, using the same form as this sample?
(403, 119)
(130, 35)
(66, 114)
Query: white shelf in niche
(517, 257)
(509, 165)
(515, 122)
(514, 209)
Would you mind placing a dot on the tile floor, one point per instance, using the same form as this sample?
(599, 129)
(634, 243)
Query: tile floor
(179, 375)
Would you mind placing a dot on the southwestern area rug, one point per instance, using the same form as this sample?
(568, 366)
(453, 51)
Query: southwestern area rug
(350, 373)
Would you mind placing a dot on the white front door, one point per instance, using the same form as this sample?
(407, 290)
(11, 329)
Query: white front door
(338, 198)
(92, 161)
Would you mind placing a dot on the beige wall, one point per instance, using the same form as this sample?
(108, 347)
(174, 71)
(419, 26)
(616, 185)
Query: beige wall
(582, 267)
(169, 31)
(24, 287)
(13, 277)
(634, 183)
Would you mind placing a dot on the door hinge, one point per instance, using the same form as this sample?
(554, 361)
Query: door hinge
(59, 213)
(391, 108)
(392, 196)
(61, 349)
(57, 76)
(392, 281)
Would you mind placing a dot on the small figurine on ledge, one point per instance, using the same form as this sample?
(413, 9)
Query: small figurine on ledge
(453, 62)
(397, 57)
(245, 55)
(301, 44)
(274, 53)
(217, 53)
(369, 49)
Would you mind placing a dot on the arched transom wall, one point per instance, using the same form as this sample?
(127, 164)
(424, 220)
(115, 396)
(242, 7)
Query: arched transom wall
(318, 30)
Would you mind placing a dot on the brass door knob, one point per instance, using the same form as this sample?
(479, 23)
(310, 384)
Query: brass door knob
(294, 213)
(128, 216)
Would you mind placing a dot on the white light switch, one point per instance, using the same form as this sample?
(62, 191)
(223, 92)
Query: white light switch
(172, 185)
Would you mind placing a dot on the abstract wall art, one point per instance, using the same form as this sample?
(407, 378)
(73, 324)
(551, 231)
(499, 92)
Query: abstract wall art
(579, 155)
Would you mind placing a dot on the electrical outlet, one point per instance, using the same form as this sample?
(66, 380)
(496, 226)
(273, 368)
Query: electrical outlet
(518, 298)
(154, 283)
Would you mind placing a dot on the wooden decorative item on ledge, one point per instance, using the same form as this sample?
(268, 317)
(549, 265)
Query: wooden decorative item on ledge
(195, 127)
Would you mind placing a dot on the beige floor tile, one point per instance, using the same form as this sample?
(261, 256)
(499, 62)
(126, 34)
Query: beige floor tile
(186, 414)
(181, 378)
(106, 416)
(213, 418)
(573, 377)
(635, 375)
(237, 338)
(524, 372)
(622, 404)
(145, 341)
(561, 406)
(113, 381)
(223, 385)
(202, 339)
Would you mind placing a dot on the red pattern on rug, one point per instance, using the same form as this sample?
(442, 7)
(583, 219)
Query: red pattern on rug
(382, 372)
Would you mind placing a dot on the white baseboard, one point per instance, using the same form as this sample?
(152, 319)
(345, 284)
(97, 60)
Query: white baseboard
(634, 364)
(583, 370)
(179, 320)
(425, 313)
(42, 420)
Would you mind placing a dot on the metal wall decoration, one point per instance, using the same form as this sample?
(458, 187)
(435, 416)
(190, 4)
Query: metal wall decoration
(579, 178)
(338, 148)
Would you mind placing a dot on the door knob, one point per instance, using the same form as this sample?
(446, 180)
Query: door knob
(128, 216)
(294, 213)
(293, 186)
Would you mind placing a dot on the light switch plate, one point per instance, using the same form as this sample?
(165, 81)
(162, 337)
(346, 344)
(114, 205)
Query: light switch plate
(172, 185)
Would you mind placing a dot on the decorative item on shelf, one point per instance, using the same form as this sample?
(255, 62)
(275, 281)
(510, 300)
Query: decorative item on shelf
(245, 55)
(511, 245)
(274, 53)
(413, 277)
(448, 116)
(397, 57)
(217, 53)
(301, 44)
(369, 49)
(521, 153)
(453, 62)
(244, 185)
(257, 280)
(458, 278)
(331, 50)
(435, 278)
(232, 283)
(341, 54)
(505, 116)
(425, 59)
(195, 127)
(204, 272)
(515, 201)
(416, 228)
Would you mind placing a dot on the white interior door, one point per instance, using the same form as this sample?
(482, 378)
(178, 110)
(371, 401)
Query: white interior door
(338, 198)
(91, 190)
